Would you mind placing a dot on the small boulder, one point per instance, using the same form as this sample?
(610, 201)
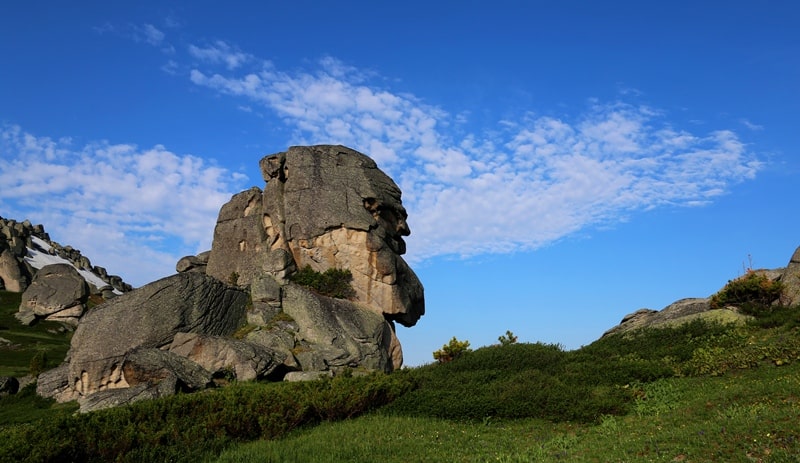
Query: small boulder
(196, 263)
(58, 292)
(12, 273)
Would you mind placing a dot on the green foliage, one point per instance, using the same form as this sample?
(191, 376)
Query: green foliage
(233, 279)
(514, 381)
(190, 427)
(753, 293)
(332, 282)
(451, 351)
(38, 363)
(507, 338)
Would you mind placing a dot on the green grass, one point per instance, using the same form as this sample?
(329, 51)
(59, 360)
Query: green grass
(27, 341)
(27, 407)
(745, 416)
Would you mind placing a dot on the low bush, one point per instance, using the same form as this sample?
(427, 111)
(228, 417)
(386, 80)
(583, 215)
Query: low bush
(333, 282)
(753, 293)
(193, 426)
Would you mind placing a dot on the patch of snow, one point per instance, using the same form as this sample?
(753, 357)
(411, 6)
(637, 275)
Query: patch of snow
(39, 257)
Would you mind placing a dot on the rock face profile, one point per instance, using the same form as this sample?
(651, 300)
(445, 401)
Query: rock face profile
(235, 313)
(326, 207)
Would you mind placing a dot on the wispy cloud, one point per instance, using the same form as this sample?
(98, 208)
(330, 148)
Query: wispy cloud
(750, 125)
(220, 52)
(140, 209)
(148, 33)
(517, 186)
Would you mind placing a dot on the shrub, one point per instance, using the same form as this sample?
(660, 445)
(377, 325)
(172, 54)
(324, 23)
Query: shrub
(451, 351)
(190, 427)
(507, 338)
(333, 282)
(38, 363)
(753, 293)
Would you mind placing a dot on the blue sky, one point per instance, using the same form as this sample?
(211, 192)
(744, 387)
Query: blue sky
(563, 163)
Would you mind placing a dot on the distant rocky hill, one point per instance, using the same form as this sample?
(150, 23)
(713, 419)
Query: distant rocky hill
(56, 281)
(234, 312)
(686, 310)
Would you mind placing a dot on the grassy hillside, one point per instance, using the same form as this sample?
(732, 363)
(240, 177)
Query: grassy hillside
(697, 392)
(47, 341)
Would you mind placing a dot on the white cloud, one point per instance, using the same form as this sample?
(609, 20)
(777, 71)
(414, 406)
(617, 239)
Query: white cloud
(148, 33)
(750, 125)
(137, 209)
(220, 53)
(516, 186)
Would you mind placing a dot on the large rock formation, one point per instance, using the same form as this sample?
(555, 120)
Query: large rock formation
(324, 207)
(327, 207)
(25, 248)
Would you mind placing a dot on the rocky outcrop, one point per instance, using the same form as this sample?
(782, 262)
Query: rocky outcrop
(682, 311)
(148, 317)
(686, 310)
(25, 248)
(57, 293)
(790, 277)
(326, 207)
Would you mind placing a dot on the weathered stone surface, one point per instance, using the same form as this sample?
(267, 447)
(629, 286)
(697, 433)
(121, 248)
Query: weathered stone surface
(55, 384)
(791, 280)
(679, 312)
(343, 333)
(149, 317)
(265, 289)
(191, 264)
(149, 374)
(57, 292)
(151, 366)
(11, 272)
(117, 397)
(247, 361)
(238, 239)
(295, 376)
